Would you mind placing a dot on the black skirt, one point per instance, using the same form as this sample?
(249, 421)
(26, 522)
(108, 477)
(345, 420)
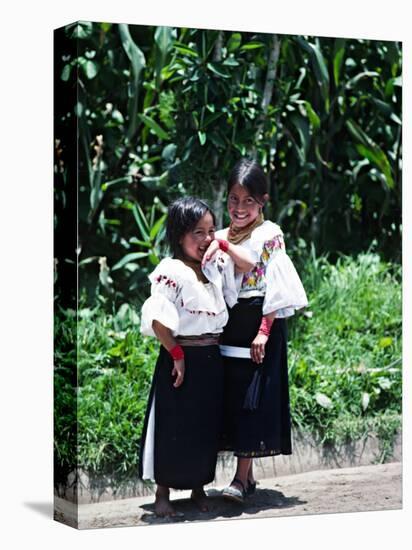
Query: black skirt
(187, 419)
(266, 430)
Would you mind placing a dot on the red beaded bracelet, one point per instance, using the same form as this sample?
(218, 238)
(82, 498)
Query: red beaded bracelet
(265, 326)
(177, 353)
(223, 245)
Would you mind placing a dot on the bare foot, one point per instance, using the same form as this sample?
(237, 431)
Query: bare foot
(199, 497)
(163, 507)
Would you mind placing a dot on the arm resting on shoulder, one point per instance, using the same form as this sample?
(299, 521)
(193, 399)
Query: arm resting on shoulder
(241, 258)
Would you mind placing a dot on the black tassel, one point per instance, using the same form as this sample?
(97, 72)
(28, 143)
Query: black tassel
(252, 398)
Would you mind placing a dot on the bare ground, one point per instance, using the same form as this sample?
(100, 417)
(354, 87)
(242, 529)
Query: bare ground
(358, 489)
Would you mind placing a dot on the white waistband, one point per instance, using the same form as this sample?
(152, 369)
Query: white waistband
(235, 351)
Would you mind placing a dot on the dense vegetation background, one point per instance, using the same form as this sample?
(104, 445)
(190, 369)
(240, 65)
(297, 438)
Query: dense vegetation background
(163, 112)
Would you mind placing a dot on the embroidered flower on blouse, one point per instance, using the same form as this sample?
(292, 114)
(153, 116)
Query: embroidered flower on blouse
(165, 280)
(255, 279)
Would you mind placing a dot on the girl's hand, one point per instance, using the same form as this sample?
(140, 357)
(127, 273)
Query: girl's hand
(210, 252)
(257, 349)
(179, 370)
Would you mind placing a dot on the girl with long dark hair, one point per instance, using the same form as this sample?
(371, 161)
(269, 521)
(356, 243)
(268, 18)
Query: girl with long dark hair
(187, 312)
(254, 341)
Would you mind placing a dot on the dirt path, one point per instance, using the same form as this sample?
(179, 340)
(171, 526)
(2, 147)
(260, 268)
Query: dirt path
(325, 491)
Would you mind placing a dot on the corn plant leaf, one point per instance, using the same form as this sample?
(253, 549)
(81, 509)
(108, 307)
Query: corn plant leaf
(157, 226)
(153, 125)
(138, 62)
(129, 258)
(339, 53)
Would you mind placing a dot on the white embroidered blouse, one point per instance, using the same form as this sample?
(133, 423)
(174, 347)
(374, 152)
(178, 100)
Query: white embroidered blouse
(274, 275)
(184, 304)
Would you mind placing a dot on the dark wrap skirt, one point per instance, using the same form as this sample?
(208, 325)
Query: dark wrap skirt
(187, 419)
(266, 430)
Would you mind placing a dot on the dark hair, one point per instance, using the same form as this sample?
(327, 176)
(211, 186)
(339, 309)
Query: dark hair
(182, 217)
(249, 174)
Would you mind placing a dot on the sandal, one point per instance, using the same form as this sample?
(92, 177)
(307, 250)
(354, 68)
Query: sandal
(234, 493)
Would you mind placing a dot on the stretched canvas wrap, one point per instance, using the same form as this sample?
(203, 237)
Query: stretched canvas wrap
(144, 115)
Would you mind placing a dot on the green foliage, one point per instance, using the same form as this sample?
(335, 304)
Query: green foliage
(344, 367)
(164, 112)
(65, 402)
(115, 366)
(345, 360)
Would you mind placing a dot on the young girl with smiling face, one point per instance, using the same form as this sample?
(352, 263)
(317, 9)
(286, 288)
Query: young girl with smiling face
(187, 312)
(254, 341)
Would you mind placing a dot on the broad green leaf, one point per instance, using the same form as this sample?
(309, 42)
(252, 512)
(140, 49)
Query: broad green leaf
(90, 69)
(66, 72)
(169, 152)
(185, 50)
(302, 126)
(358, 133)
(153, 125)
(134, 53)
(129, 258)
(154, 260)
(319, 67)
(253, 45)
(218, 70)
(157, 227)
(88, 260)
(202, 137)
(138, 62)
(313, 117)
(164, 39)
(134, 240)
(339, 52)
(117, 116)
(377, 156)
(95, 196)
(396, 119)
(234, 42)
(231, 62)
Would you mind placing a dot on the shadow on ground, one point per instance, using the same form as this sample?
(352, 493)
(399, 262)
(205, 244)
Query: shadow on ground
(42, 508)
(263, 499)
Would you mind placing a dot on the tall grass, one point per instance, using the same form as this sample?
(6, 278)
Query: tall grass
(345, 360)
(115, 367)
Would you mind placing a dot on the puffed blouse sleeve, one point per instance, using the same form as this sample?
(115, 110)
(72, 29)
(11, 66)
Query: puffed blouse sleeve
(161, 305)
(221, 272)
(284, 290)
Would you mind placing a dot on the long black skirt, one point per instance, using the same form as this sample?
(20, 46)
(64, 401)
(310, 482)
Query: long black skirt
(266, 430)
(187, 419)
